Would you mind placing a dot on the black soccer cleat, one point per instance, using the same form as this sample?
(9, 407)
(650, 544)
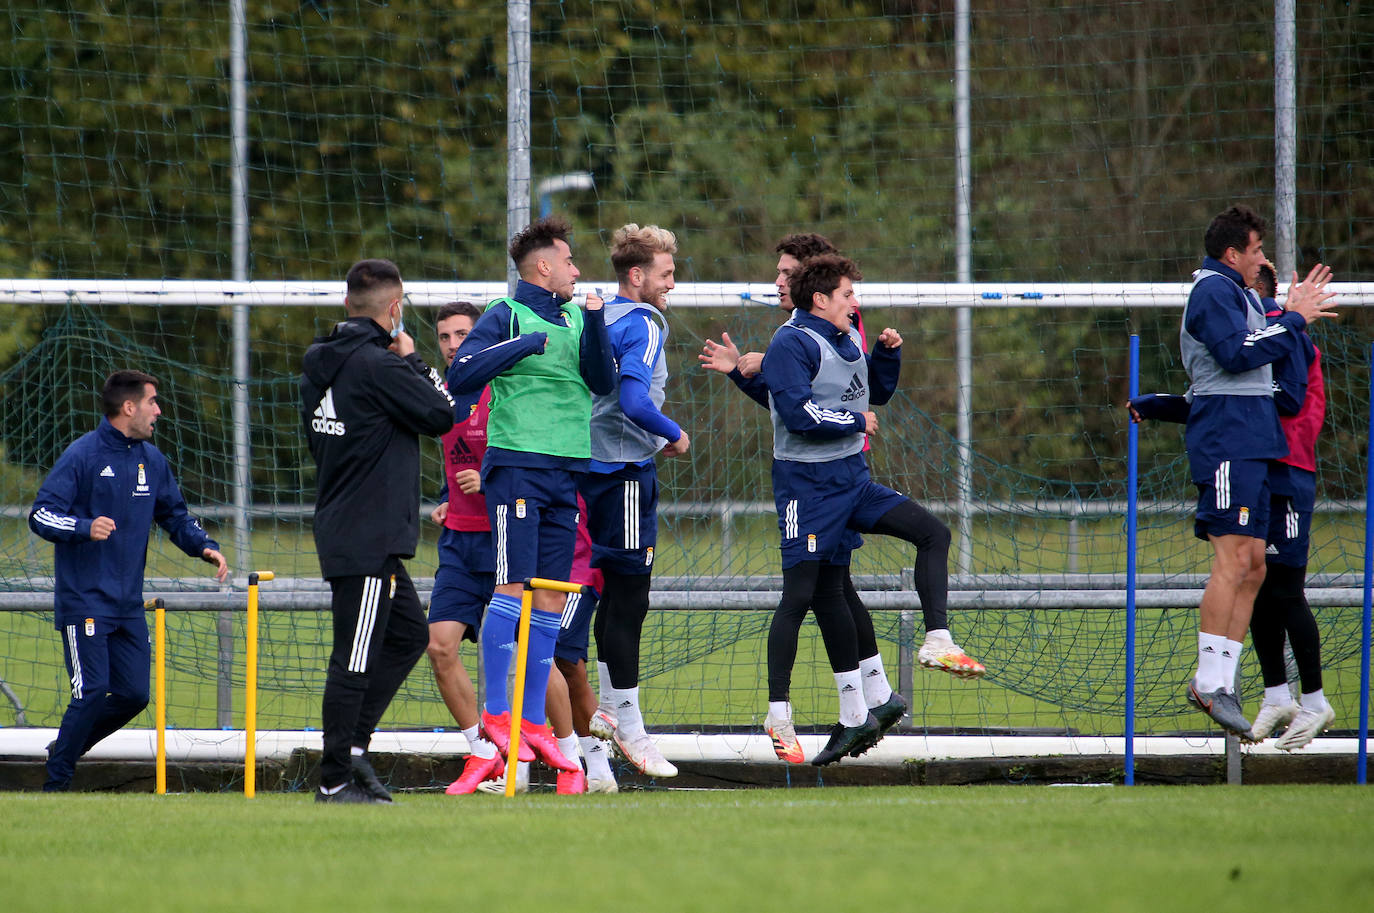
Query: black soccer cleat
(366, 779)
(351, 794)
(890, 712)
(847, 739)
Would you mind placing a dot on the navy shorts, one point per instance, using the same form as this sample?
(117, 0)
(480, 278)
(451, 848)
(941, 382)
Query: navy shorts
(1235, 501)
(533, 522)
(622, 517)
(1292, 499)
(821, 505)
(464, 582)
(575, 628)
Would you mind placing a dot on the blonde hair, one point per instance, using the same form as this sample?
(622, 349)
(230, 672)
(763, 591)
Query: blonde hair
(632, 246)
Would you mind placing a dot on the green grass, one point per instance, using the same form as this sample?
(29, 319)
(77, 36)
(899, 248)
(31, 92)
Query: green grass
(1294, 848)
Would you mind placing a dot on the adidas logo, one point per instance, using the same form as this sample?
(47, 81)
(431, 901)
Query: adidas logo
(461, 452)
(855, 390)
(1208, 649)
(847, 689)
(624, 704)
(326, 420)
(1271, 550)
(107, 472)
(872, 673)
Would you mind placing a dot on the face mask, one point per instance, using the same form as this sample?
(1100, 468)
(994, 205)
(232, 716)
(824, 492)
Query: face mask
(398, 327)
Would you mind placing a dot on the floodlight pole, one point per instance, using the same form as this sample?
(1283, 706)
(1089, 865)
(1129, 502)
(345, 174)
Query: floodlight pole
(243, 477)
(517, 124)
(560, 183)
(963, 254)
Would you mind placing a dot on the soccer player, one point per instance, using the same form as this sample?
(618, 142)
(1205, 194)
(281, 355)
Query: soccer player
(465, 578)
(1280, 605)
(1232, 433)
(821, 384)
(95, 506)
(366, 398)
(628, 431)
(938, 651)
(544, 358)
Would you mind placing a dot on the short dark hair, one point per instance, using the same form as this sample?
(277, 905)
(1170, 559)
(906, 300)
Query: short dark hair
(805, 246)
(820, 274)
(538, 235)
(121, 387)
(458, 309)
(1232, 229)
(368, 281)
(1267, 282)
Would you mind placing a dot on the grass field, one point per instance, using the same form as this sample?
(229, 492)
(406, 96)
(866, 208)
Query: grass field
(882, 848)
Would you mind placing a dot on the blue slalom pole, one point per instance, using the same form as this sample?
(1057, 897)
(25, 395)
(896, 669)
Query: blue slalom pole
(1362, 760)
(1132, 482)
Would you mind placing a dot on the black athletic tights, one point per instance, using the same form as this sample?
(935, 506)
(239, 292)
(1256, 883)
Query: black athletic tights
(1281, 607)
(820, 588)
(619, 620)
(912, 523)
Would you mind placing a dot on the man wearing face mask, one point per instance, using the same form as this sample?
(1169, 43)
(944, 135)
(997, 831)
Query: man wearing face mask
(366, 397)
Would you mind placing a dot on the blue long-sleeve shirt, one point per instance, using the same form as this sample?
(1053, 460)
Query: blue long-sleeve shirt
(791, 363)
(636, 350)
(105, 474)
(489, 350)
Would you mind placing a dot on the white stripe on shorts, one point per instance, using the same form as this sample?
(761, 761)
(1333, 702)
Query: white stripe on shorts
(789, 517)
(630, 508)
(1291, 521)
(1221, 480)
(367, 620)
(569, 609)
(502, 562)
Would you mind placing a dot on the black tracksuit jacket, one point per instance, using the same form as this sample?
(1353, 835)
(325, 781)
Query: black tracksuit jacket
(364, 408)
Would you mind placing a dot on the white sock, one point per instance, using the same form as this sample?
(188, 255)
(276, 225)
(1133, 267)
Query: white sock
(1209, 671)
(1278, 696)
(522, 773)
(477, 745)
(567, 745)
(780, 710)
(853, 710)
(357, 752)
(1230, 662)
(877, 690)
(628, 718)
(603, 687)
(597, 755)
(1314, 700)
(940, 634)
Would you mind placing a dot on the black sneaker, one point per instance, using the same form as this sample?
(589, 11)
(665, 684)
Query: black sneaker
(352, 794)
(890, 712)
(845, 739)
(366, 778)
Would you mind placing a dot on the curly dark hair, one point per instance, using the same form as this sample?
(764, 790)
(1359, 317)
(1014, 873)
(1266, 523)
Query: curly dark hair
(820, 275)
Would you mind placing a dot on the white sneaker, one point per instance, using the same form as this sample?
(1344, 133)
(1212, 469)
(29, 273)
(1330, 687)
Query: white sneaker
(497, 787)
(1269, 718)
(644, 754)
(784, 736)
(602, 786)
(603, 724)
(947, 656)
(1306, 726)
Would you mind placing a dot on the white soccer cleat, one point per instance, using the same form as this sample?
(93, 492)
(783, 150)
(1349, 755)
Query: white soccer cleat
(784, 737)
(1270, 717)
(603, 724)
(645, 756)
(947, 656)
(602, 786)
(497, 787)
(1306, 726)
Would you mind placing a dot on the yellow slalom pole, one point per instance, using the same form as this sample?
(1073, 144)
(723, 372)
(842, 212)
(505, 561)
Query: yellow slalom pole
(522, 648)
(250, 679)
(160, 689)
